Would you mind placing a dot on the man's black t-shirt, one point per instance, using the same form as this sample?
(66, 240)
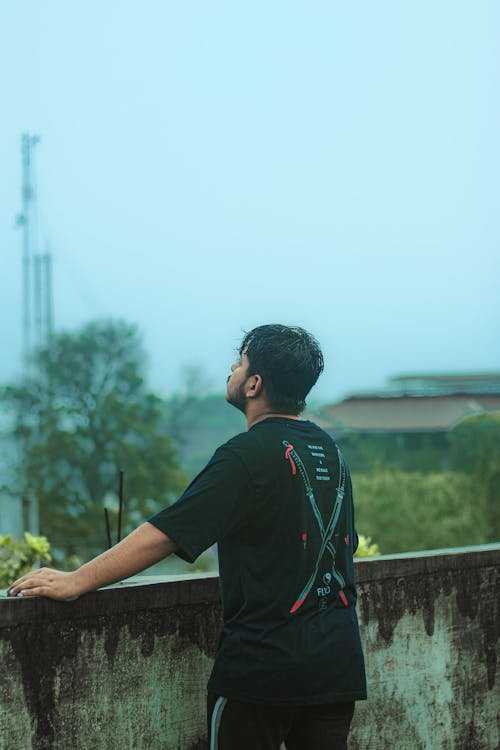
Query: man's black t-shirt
(278, 502)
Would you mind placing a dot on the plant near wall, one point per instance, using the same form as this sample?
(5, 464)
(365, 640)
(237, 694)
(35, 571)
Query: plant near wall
(366, 548)
(19, 556)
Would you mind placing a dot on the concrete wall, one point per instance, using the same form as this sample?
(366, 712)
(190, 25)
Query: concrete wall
(430, 626)
(125, 668)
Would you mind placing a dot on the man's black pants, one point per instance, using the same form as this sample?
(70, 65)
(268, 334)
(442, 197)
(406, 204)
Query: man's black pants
(248, 726)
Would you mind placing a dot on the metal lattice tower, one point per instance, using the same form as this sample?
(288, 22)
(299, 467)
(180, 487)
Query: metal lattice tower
(37, 306)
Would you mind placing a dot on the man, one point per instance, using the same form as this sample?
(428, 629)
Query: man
(277, 500)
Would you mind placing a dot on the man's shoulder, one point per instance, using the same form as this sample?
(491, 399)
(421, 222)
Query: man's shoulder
(261, 435)
(241, 441)
(246, 444)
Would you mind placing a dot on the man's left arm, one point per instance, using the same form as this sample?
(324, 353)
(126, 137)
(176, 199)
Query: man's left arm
(139, 550)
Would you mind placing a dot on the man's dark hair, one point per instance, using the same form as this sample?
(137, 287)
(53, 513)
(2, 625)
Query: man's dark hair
(289, 361)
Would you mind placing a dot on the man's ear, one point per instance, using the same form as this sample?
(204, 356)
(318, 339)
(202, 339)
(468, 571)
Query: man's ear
(253, 386)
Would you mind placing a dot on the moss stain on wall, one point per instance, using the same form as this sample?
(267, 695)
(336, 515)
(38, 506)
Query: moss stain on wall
(134, 680)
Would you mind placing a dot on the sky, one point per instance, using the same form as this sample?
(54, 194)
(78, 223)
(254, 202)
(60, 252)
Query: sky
(205, 168)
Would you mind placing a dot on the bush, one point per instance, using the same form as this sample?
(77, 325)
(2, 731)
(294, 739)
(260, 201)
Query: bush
(18, 557)
(408, 511)
(366, 548)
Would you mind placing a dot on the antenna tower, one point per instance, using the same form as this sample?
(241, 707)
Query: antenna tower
(37, 308)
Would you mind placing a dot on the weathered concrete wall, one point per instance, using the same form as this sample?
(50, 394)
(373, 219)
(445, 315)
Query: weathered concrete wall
(430, 625)
(126, 668)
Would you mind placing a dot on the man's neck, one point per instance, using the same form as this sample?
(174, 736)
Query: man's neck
(259, 415)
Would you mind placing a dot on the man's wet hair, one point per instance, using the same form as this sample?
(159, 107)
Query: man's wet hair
(289, 361)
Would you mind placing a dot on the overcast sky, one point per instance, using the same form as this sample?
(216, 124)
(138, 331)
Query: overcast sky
(208, 167)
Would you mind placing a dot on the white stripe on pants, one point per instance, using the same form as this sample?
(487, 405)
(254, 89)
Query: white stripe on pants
(215, 723)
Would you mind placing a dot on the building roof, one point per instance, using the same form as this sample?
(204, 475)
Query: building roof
(403, 414)
(437, 384)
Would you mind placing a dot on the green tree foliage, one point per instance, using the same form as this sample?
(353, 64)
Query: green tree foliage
(83, 415)
(406, 511)
(411, 451)
(475, 449)
(18, 557)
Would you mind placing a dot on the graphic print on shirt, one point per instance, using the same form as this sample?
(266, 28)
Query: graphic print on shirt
(322, 473)
(327, 532)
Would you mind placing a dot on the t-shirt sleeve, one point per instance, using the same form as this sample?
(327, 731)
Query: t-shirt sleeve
(214, 504)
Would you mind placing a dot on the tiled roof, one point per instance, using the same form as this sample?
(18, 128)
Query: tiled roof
(404, 413)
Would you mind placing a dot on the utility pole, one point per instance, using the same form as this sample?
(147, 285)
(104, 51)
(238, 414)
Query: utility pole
(37, 298)
(28, 142)
(49, 305)
(35, 275)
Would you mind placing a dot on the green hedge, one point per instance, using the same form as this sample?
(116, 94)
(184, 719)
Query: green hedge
(407, 511)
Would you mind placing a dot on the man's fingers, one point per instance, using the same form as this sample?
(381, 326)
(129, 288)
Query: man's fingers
(28, 582)
(34, 591)
(14, 587)
(19, 581)
(43, 588)
(28, 588)
(46, 582)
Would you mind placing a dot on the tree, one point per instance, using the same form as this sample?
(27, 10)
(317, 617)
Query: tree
(83, 415)
(475, 449)
(475, 444)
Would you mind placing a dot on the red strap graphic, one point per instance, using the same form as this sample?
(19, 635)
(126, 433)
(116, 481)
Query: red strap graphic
(344, 598)
(298, 604)
(292, 462)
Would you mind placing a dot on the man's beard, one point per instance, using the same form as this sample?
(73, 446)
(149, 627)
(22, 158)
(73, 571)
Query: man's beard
(238, 399)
